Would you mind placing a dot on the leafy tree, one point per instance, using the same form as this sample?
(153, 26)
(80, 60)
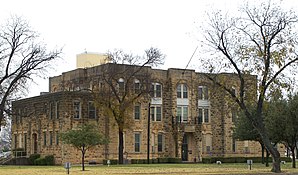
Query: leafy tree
(83, 138)
(22, 56)
(243, 130)
(119, 89)
(258, 41)
(282, 123)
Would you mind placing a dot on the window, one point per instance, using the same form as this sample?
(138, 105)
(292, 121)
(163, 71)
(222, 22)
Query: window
(208, 149)
(44, 138)
(137, 86)
(160, 142)
(57, 110)
(57, 138)
(137, 142)
(91, 110)
(15, 141)
(156, 91)
(203, 116)
(51, 110)
(182, 91)
(155, 113)
(203, 93)
(182, 114)
(137, 112)
(77, 109)
(51, 138)
(121, 84)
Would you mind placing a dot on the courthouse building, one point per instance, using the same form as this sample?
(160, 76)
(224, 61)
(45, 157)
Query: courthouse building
(190, 117)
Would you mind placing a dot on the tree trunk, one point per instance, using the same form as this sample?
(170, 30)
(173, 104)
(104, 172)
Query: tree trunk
(120, 147)
(293, 157)
(263, 152)
(267, 158)
(272, 150)
(83, 158)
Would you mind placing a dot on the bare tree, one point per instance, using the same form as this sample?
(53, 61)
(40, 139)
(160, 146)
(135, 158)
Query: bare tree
(21, 58)
(259, 41)
(122, 84)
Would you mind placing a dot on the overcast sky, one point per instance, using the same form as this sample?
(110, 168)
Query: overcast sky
(131, 25)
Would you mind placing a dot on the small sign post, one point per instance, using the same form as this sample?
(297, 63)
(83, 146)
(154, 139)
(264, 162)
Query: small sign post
(67, 166)
(249, 163)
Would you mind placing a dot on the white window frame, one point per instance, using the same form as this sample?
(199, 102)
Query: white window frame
(203, 115)
(183, 117)
(153, 113)
(155, 93)
(160, 142)
(182, 91)
(139, 111)
(137, 143)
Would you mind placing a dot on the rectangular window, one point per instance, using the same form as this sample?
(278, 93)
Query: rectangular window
(160, 142)
(51, 138)
(45, 138)
(137, 142)
(203, 93)
(155, 112)
(182, 113)
(57, 110)
(203, 115)
(25, 142)
(77, 109)
(137, 112)
(57, 138)
(91, 110)
(15, 141)
(208, 149)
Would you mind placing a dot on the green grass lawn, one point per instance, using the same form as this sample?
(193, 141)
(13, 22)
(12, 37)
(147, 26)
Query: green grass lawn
(143, 169)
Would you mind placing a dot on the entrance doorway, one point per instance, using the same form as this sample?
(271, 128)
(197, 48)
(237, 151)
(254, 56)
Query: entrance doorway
(184, 149)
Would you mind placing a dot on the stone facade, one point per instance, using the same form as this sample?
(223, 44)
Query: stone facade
(191, 118)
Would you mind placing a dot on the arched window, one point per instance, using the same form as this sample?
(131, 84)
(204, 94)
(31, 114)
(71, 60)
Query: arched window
(182, 91)
(203, 93)
(121, 84)
(137, 86)
(156, 90)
